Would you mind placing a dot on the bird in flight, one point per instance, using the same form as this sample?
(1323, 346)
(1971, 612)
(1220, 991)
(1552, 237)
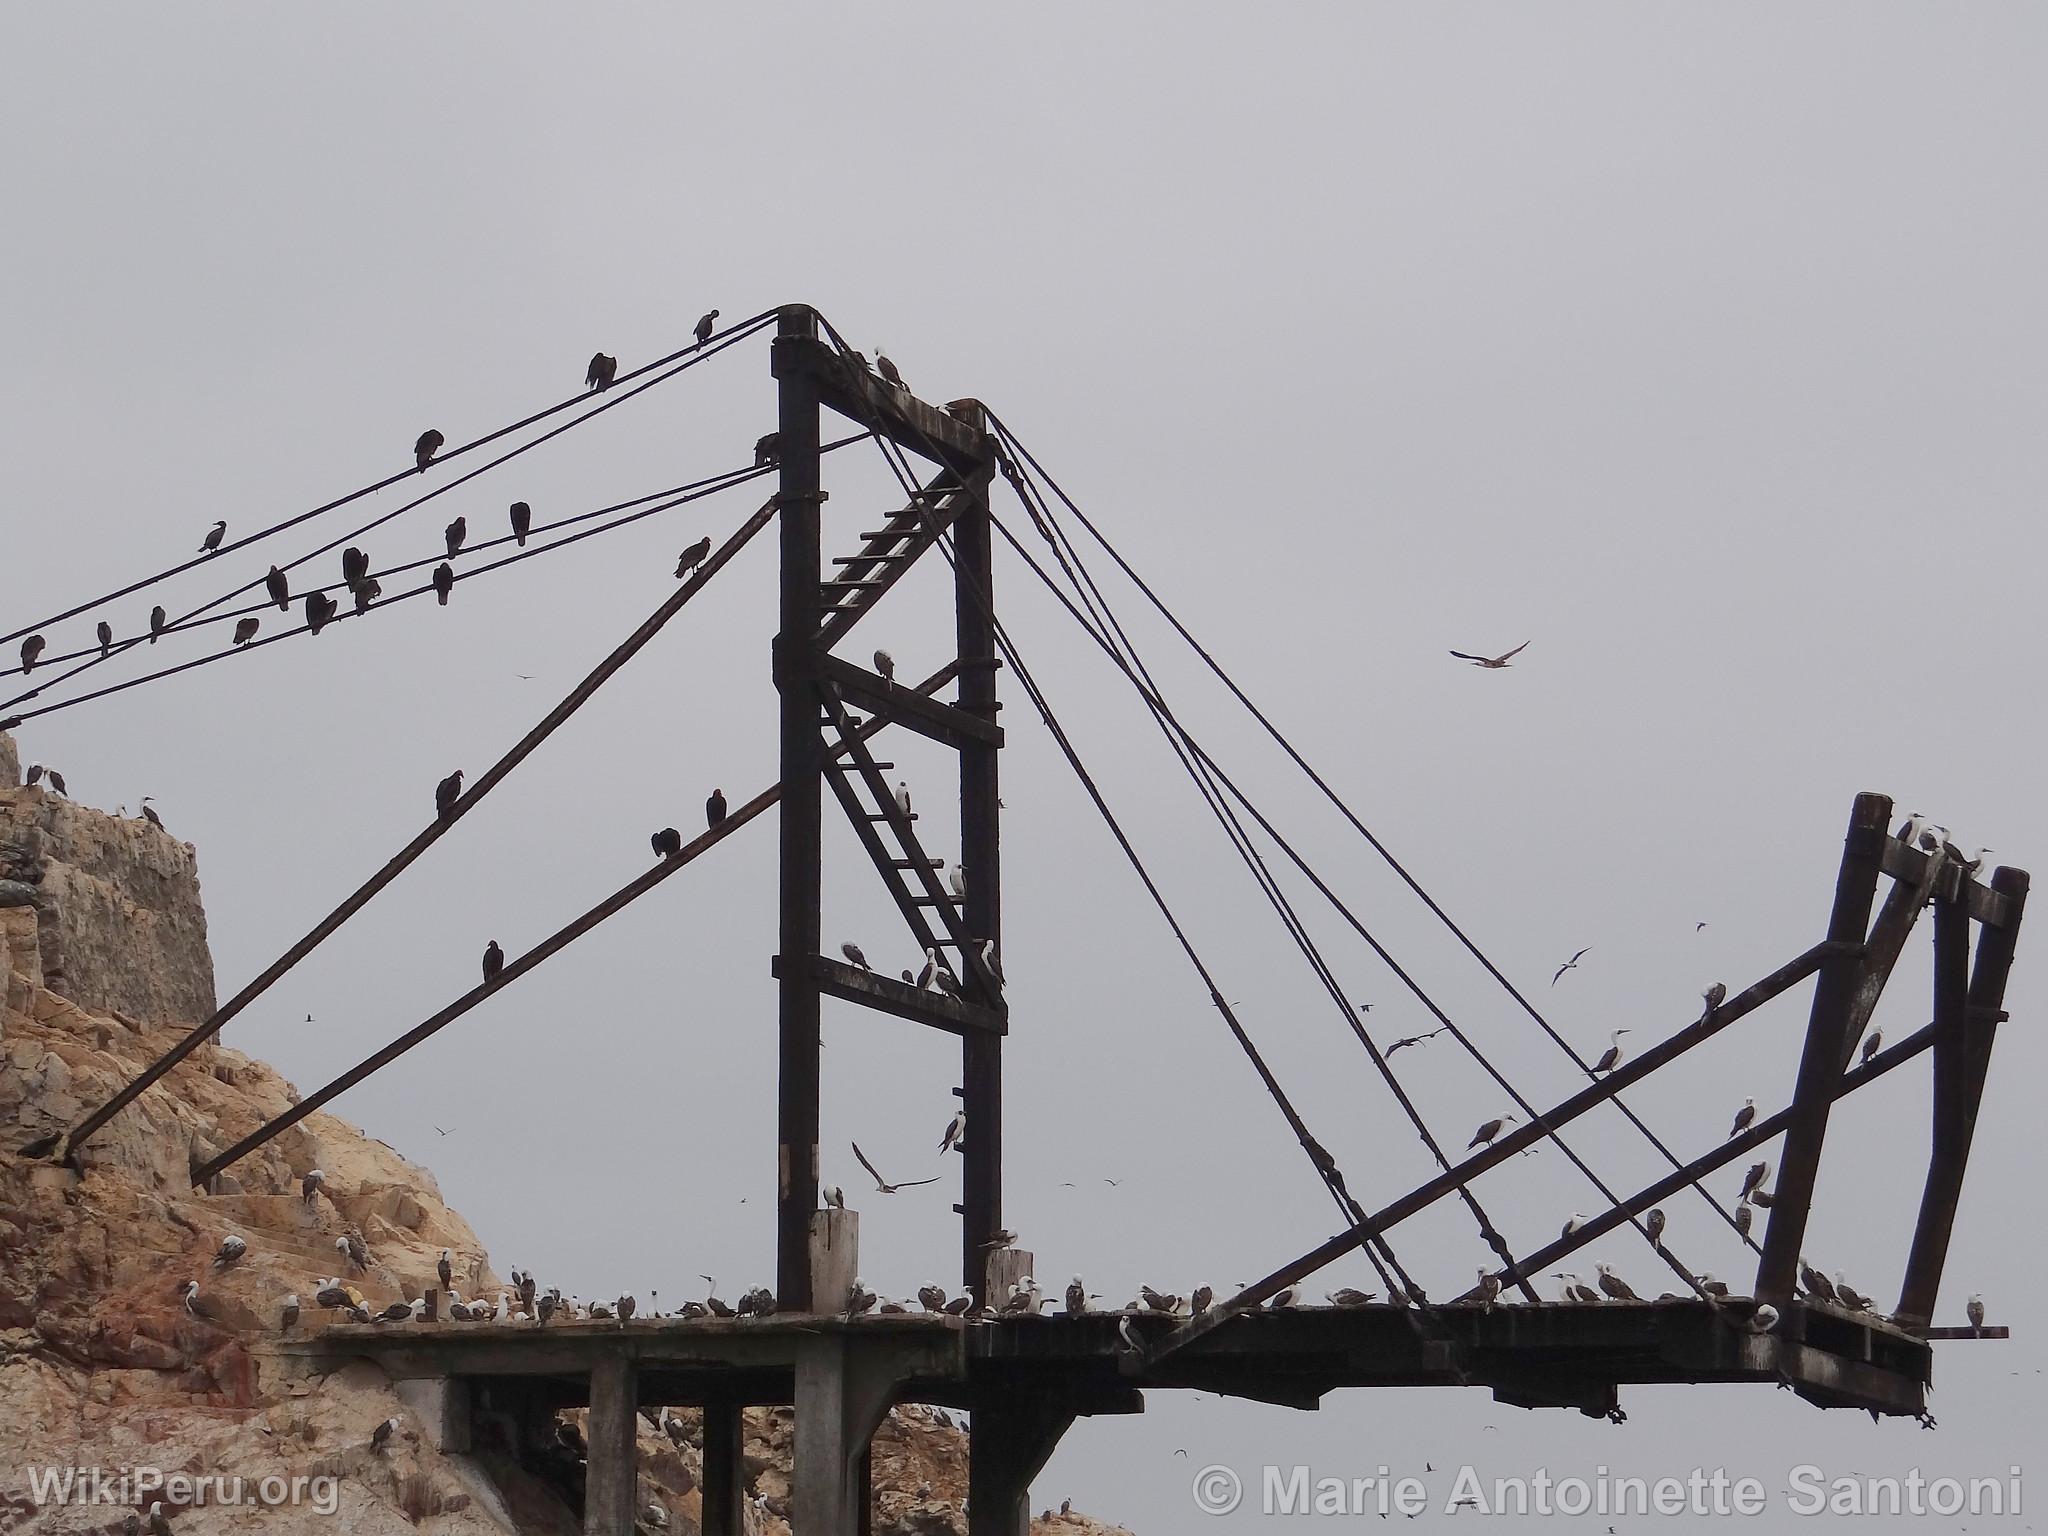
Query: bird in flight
(883, 1184)
(1571, 964)
(1492, 663)
(1416, 1039)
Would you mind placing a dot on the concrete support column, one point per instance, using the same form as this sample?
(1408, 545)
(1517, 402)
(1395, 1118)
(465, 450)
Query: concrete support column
(612, 1489)
(725, 1471)
(442, 1404)
(842, 1391)
(1008, 1445)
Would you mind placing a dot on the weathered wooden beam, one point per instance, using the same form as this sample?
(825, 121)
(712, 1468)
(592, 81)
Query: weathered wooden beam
(955, 728)
(921, 1006)
(1967, 1015)
(1949, 1335)
(896, 414)
(1986, 904)
(1828, 1043)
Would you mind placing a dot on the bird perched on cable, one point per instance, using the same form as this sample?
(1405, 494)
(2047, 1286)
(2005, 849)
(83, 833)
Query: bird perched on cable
(1492, 663)
(367, 591)
(245, 631)
(279, 586)
(1744, 1118)
(714, 808)
(1611, 1057)
(444, 582)
(1745, 1217)
(854, 956)
(31, 648)
(704, 325)
(211, 543)
(447, 792)
(601, 372)
(319, 609)
(355, 565)
(1571, 964)
(888, 371)
(767, 449)
(668, 842)
(885, 664)
(694, 556)
(106, 635)
(1485, 1134)
(159, 621)
(424, 450)
(455, 533)
(494, 962)
(522, 522)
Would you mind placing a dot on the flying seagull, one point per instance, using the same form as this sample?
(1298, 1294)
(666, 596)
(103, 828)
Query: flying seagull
(494, 962)
(668, 842)
(714, 808)
(1744, 1118)
(279, 586)
(245, 631)
(601, 372)
(444, 582)
(1492, 663)
(522, 522)
(1611, 1057)
(1483, 1137)
(1571, 964)
(447, 792)
(424, 450)
(1415, 1039)
(211, 543)
(693, 557)
(704, 326)
(883, 1184)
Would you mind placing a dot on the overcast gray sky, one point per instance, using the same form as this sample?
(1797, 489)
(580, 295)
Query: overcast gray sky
(1701, 347)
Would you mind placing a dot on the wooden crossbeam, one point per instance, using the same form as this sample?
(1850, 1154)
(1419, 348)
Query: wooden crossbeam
(920, 1005)
(896, 414)
(927, 717)
(1986, 903)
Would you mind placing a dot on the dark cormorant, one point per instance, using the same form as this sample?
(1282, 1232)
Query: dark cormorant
(424, 450)
(601, 372)
(522, 521)
(280, 589)
(444, 582)
(714, 808)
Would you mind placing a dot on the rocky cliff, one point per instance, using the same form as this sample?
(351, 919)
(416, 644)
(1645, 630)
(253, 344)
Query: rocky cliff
(102, 1363)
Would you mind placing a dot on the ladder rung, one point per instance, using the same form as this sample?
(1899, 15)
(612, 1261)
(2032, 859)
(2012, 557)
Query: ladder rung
(917, 864)
(890, 816)
(894, 535)
(839, 585)
(867, 559)
(933, 901)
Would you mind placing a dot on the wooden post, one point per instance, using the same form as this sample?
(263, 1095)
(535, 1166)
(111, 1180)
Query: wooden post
(725, 1470)
(1827, 1044)
(802, 831)
(1967, 1021)
(834, 1258)
(1003, 1268)
(612, 1488)
(981, 1056)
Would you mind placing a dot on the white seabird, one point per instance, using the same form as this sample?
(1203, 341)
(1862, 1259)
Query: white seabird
(903, 796)
(1287, 1296)
(1577, 1290)
(1614, 1285)
(291, 1312)
(1758, 1172)
(955, 1129)
(1716, 1289)
(1715, 996)
(1077, 1298)
(1200, 1300)
(1128, 1332)
(1744, 1118)
(1348, 1296)
(932, 1297)
(859, 1298)
(445, 1268)
(1572, 1224)
(1485, 1134)
(833, 1196)
(189, 1294)
(1611, 1057)
(1764, 1319)
(956, 879)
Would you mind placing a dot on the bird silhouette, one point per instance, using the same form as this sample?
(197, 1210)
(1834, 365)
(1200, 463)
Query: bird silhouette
(1492, 663)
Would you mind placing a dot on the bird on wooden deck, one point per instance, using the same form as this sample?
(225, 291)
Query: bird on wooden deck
(210, 545)
(1754, 1177)
(105, 631)
(522, 522)
(159, 621)
(1714, 996)
(1614, 1285)
(1872, 1043)
(859, 1298)
(668, 842)
(955, 1129)
(882, 1184)
(601, 372)
(714, 808)
(1764, 1319)
(1576, 1290)
(31, 648)
(245, 630)
(1488, 1287)
(885, 666)
(1485, 1134)
(1492, 663)
(1348, 1296)
(704, 327)
(1077, 1298)
(767, 449)
(1653, 1224)
(447, 792)
(1744, 1117)
(1816, 1283)
(1571, 964)
(320, 608)
(1974, 1311)
(1852, 1298)
(854, 956)
(494, 962)
(426, 447)
(279, 587)
(1611, 1057)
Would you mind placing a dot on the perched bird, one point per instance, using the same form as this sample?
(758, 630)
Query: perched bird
(1816, 1283)
(494, 962)
(381, 1435)
(159, 621)
(356, 1250)
(1614, 1285)
(447, 792)
(397, 1312)
(960, 1305)
(454, 535)
(1571, 964)
(601, 372)
(1576, 1290)
(859, 1298)
(854, 956)
(1158, 1301)
(955, 1129)
(1852, 1298)
(1348, 1296)
(106, 634)
(1492, 663)
(149, 813)
(833, 1196)
(704, 325)
(1744, 1117)
(279, 586)
(1485, 1134)
(211, 543)
(694, 556)
(291, 1312)
(1756, 1174)
(1572, 1224)
(332, 1294)
(367, 591)
(885, 664)
(903, 796)
(767, 449)
(355, 565)
(1872, 1043)
(319, 609)
(188, 1293)
(31, 648)
(717, 1308)
(1076, 1298)
(714, 808)
(654, 1514)
(1745, 1217)
(882, 1184)
(1488, 1287)
(1653, 1224)
(1762, 1199)
(57, 783)
(1974, 1311)
(932, 1297)
(424, 450)
(668, 842)
(34, 774)
(444, 1267)
(956, 881)
(1285, 1298)
(887, 370)
(1129, 1334)
(522, 522)
(1715, 996)
(245, 631)
(158, 1524)
(1717, 1290)
(231, 1249)
(1764, 1319)
(1611, 1057)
